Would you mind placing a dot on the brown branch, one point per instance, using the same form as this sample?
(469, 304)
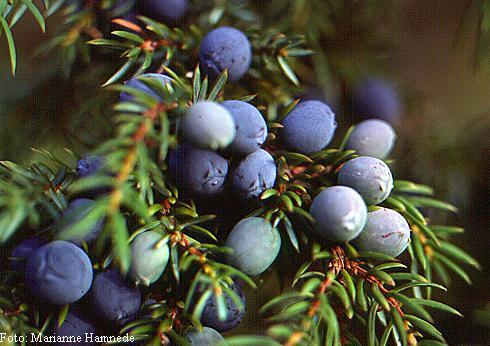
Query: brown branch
(354, 267)
(130, 159)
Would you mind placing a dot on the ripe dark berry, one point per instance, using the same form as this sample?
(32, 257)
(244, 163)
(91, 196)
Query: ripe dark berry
(114, 299)
(376, 98)
(386, 231)
(256, 173)
(198, 171)
(339, 213)
(309, 127)
(89, 165)
(149, 261)
(373, 137)
(208, 125)
(76, 324)
(255, 245)
(24, 250)
(210, 317)
(369, 176)
(164, 10)
(59, 273)
(77, 210)
(225, 48)
(251, 129)
(138, 83)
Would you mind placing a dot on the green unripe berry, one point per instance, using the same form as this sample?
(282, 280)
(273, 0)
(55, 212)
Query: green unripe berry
(255, 245)
(148, 259)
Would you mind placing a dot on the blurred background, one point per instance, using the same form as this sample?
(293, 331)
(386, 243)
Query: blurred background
(433, 52)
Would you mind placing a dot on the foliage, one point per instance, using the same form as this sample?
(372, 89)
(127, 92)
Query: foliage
(13, 10)
(337, 295)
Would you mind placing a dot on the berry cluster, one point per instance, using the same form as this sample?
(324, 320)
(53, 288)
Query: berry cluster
(221, 151)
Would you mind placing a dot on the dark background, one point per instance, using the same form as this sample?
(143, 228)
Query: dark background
(443, 139)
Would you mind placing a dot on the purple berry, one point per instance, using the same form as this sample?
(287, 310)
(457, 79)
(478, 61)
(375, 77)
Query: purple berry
(376, 98)
(89, 165)
(251, 129)
(24, 250)
(114, 299)
(339, 213)
(168, 11)
(386, 231)
(208, 125)
(255, 174)
(309, 127)
(225, 48)
(369, 176)
(374, 137)
(59, 273)
(76, 325)
(255, 245)
(198, 171)
(76, 211)
(210, 317)
(137, 83)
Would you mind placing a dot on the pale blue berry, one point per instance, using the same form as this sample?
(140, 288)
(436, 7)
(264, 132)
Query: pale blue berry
(369, 176)
(251, 129)
(386, 231)
(339, 213)
(206, 337)
(255, 245)
(148, 260)
(374, 137)
(208, 125)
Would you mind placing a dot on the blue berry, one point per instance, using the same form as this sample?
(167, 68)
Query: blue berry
(59, 273)
(208, 125)
(376, 98)
(255, 174)
(225, 48)
(210, 317)
(386, 231)
(164, 10)
(207, 337)
(76, 325)
(77, 210)
(251, 129)
(24, 250)
(198, 171)
(309, 127)
(137, 83)
(339, 213)
(369, 176)
(121, 8)
(146, 311)
(255, 245)
(149, 261)
(373, 137)
(114, 299)
(89, 165)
